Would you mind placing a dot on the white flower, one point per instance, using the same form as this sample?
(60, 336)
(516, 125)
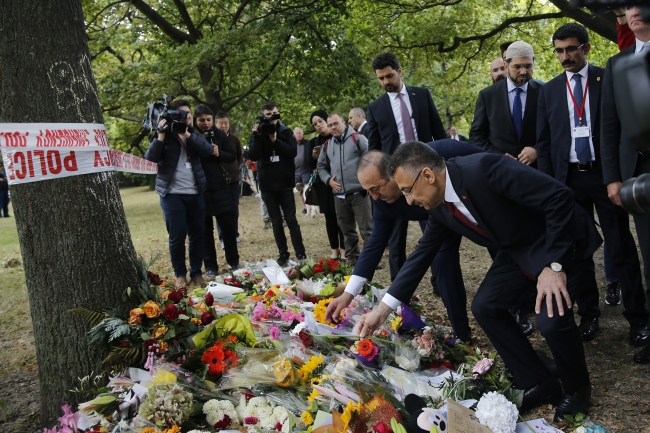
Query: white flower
(198, 431)
(298, 328)
(343, 366)
(496, 412)
(581, 429)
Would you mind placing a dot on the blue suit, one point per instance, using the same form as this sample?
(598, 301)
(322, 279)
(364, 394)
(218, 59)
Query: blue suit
(530, 221)
(446, 265)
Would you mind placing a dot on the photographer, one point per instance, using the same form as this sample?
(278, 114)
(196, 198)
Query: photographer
(180, 182)
(273, 146)
(218, 200)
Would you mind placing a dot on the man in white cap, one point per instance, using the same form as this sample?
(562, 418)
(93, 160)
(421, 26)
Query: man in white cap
(505, 122)
(505, 117)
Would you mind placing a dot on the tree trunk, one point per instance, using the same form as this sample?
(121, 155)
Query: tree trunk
(75, 241)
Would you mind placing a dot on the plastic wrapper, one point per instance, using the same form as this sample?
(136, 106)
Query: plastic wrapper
(201, 390)
(259, 366)
(407, 358)
(287, 398)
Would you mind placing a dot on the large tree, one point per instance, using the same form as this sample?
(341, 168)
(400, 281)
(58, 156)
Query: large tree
(74, 238)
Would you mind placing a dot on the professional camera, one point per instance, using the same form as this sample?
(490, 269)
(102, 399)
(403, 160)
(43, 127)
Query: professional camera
(265, 125)
(156, 111)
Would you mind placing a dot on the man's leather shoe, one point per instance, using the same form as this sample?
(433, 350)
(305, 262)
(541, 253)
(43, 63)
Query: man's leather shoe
(198, 280)
(639, 335)
(546, 392)
(524, 322)
(588, 328)
(643, 357)
(573, 404)
(181, 282)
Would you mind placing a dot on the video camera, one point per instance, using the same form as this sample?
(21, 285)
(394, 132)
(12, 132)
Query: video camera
(265, 125)
(156, 111)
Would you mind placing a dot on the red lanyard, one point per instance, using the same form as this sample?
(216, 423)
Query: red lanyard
(580, 110)
(187, 153)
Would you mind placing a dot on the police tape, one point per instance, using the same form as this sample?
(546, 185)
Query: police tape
(32, 152)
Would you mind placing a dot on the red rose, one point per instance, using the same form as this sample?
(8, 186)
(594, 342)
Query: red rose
(175, 296)
(148, 345)
(236, 284)
(382, 428)
(221, 425)
(171, 312)
(154, 278)
(206, 318)
(306, 339)
(209, 299)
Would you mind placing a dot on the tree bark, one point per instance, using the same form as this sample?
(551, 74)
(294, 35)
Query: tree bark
(74, 238)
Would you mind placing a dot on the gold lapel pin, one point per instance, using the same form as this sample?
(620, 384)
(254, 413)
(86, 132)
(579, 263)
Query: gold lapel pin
(597, 78)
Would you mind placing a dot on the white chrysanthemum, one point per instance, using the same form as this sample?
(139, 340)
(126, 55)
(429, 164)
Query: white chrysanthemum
(214, 416)
(210, 405)
(280, 414)
(496, 412)
(198, 431)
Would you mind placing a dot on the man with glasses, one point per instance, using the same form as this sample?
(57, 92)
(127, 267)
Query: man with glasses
(568, 145)
(337, 167)
(538, 235)
(620, 159)
(506, 112)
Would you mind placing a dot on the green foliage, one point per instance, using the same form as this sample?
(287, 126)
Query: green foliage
(121, 358)
(91, 317)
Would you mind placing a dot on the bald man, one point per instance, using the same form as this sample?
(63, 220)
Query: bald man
(498, 70)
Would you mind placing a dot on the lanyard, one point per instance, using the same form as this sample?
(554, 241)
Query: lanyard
(187, 153)
(580, 110)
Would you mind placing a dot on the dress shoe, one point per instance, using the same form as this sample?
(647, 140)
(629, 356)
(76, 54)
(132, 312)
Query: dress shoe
(380, 265)
(573, 404)
(639, 335)
(211, 273)
(588, 328)
(198, 280)
(524, 322)
(181, 282)
(613, 296)
(549, 391)
(643, 357)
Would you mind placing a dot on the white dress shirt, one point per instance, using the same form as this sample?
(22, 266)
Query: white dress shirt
(522, 96)
(397, 112)
(639, 46)
(586, 116)
(455, 137)
(451, 197)
(361, 126)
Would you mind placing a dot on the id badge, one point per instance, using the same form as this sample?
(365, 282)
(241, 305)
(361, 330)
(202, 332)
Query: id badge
(580, 131)
(188, 165)
(275, 158)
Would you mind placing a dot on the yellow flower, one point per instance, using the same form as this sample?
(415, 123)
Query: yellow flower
(149, 430)
(164, 377)
(347, 279)
(346, 417)
(307, 418)
(196, 321)
(135, 316)
(396, 323)
(310, 366)
(283, 371)
(151, 309)
(174, 429)
(319, 311)
(314, 394)
(159, 331)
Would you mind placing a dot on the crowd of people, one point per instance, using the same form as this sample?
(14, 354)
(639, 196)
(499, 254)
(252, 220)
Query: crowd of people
(540, 158)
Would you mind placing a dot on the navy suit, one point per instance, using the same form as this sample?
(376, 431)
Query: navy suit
(383, 135)
(553, 148)
(493, 128)
(621, 160)
(446, 265)
(531, 220)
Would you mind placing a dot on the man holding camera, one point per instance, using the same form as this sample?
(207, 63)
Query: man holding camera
(180, 182)
(273, 146)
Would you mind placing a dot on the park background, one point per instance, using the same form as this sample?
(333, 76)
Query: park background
(306, 55)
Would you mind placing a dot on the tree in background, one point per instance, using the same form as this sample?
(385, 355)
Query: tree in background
(74, 238)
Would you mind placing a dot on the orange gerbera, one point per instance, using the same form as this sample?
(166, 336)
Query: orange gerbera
(218, 359)
(366, 347)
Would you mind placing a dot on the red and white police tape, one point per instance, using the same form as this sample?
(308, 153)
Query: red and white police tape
(41, 151)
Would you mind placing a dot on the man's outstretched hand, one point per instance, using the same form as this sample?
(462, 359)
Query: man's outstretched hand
(333, 312)
(370, 322)
(552, 284)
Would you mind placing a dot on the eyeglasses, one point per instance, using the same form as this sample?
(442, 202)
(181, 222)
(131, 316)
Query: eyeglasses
(333, 124)
(569, 50)
(408, 194)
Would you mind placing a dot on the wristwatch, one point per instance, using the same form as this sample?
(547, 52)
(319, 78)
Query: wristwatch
(556, 267)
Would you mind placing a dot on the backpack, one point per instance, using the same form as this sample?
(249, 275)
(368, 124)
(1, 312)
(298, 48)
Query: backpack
(354, 139)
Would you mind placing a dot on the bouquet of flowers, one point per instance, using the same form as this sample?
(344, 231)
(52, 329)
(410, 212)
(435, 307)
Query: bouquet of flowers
(324, 268)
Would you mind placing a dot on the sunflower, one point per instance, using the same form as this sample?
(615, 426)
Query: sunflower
(319, 311)
(311, 365)
(349, 410)
(307, 418)
(314, 394)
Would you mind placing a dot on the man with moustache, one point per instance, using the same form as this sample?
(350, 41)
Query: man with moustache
(568, 145)
(506, 112)
(620, 160)
(536, 232)
(498, 70)
(403, 113)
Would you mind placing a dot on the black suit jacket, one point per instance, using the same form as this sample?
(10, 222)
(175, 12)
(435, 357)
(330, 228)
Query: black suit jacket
(382, 128)
(493, 128)
(553, 125)
(530, 216)
(364, 130)
(619, 157)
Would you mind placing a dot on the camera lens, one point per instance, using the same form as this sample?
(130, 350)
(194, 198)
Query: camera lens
(635, 195)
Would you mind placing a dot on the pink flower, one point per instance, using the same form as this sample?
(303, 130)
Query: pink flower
(483, 366)
(69, 419)
(275, 332)
(251, 420)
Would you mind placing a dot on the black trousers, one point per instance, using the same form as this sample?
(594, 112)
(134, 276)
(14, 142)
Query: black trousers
(590, 193)
(283, 199)
(334, 233)
(642, 224)
(397, 247)
(229, 236)
(500, 290)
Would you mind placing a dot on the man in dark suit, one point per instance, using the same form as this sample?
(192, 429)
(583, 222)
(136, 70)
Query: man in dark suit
(357, 119)
(506, 112)
(571, 101)
(453, 134)
(390, 205)
(403, 113)
(620, 160)
(536, 231)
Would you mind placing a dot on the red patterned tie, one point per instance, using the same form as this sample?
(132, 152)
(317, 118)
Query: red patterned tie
(462, 218)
